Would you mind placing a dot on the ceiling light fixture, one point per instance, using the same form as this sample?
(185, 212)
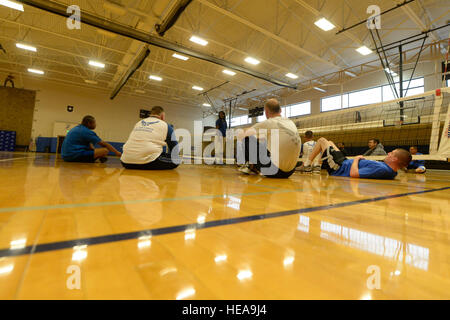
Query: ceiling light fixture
(364, 50)
(199, 40)
(229, 72)
(252, 61)
(206, 105)
(156, 78)
(391, 72)
(91, 81)
(179, 56)
(292, 76)
(319, 89)
(36, 71)
(12, 5)
(324, 24)
(96, 64)
(351, 74)
(25, 47)
(197, 88)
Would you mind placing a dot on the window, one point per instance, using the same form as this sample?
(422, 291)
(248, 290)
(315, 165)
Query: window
(240, 121)
(416, 86)
(294, 110)
(261, 118)
(331, 103)
(299, 109)
(363, 97)
(371, 95)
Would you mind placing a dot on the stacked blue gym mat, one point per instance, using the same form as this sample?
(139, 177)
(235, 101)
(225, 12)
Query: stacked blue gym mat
(7, 140)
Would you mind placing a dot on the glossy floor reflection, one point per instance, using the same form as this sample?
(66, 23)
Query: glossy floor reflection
(206, 232)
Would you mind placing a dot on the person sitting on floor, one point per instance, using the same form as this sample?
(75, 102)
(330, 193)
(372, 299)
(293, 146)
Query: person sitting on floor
(150, 145)
(306, 150)
(417, 165)
(78, 146)
(274, 159)
(338, 165)
(375, 148)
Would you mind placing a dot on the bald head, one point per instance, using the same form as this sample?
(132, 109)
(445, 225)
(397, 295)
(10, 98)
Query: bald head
(272, 108)
(403, 156)
(398, 159)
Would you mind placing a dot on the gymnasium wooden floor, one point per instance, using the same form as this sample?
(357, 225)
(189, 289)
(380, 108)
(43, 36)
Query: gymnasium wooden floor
(206, 232)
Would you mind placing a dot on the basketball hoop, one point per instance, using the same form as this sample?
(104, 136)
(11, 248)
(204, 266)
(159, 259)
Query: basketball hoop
(398, 124)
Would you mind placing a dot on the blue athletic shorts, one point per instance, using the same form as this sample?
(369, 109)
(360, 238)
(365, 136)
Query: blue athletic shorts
(83, 156)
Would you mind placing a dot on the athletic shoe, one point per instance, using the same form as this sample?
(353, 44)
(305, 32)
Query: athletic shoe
(245, 168)
(103, 159)
(317, 169)
(306, 169)
(248, 169)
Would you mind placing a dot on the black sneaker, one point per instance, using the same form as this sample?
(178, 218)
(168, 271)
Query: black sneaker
(103, 159)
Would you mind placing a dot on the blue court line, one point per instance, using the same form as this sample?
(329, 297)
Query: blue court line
(54, 246)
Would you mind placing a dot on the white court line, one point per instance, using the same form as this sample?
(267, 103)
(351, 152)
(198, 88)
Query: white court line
(12, 159)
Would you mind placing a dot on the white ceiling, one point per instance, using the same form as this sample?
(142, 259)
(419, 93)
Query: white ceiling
(280, 33)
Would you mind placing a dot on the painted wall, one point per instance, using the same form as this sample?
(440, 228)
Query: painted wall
(115, 118)
(16, 112)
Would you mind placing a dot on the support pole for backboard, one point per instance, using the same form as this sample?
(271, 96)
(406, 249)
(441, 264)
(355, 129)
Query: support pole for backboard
(229, 117)
(400, 51)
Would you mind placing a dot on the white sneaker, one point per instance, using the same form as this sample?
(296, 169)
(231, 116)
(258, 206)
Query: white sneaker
(245, 168)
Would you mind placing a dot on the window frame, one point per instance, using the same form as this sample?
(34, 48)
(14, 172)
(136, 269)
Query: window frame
(381, 87)
(240, 124)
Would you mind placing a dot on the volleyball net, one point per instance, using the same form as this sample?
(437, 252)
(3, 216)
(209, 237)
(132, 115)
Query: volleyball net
(420, 120)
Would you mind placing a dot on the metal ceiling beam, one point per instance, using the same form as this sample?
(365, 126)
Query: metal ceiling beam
(413, 16)
(267, 33)
(316, 35)
(172, 17)
(92, 20)
(318, 14)
(136, 64)
(71, 53)
(233, 49)
(27, 75)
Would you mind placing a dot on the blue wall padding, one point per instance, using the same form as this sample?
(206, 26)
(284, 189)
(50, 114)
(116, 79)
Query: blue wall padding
(7, 140)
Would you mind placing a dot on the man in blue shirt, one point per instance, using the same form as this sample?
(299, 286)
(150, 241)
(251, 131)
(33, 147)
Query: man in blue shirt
(221, 126)
(417, 165)
(78, 146)
(338, 165)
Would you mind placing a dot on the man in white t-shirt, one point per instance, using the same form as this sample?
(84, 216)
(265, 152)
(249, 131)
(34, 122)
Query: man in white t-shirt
(271, 147)
(150, 144)
(307, 149)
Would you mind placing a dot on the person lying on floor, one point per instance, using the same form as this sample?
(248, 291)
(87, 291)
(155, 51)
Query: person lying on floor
(273, 159)
(337, 164)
